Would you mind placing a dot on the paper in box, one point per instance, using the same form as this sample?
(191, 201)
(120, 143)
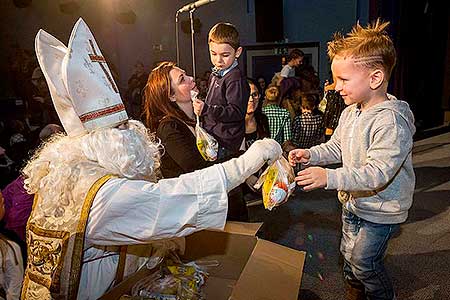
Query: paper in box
(249, 267)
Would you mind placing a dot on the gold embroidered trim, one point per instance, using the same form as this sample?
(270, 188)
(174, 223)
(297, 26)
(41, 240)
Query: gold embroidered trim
(50, 277)
(33, 294)
(24, 293)
(41, 256)
(77, 254)
(35, 200)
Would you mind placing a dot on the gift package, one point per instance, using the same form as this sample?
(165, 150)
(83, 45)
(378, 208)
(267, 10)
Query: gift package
(277, 183)
(206, 143)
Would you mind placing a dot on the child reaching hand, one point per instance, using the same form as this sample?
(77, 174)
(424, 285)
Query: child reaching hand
(373, 141)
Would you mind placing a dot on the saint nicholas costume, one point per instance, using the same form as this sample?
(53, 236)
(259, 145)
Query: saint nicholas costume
(74, 247)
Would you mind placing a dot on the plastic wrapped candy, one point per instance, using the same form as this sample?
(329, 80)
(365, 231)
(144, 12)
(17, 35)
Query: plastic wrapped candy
(173, 280)
(277, 183)
(206, 143)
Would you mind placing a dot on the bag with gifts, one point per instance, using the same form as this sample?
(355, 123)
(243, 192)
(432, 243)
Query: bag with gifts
(277, 183)
(206, 143)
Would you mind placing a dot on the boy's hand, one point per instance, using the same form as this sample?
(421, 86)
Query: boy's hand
(312, 178)
(198, 106)
(298, 156)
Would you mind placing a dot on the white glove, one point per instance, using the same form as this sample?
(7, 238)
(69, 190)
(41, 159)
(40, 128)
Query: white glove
(237, 170)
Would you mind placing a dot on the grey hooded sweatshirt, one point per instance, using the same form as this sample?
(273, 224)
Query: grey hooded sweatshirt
(376, 181)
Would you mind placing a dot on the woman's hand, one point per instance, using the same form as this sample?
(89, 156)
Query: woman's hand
(198, 106)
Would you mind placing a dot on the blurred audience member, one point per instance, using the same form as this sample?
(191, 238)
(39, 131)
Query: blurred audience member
(18, 204)
(202, 85)
(333, 109)
(296, 101)
(134, 92)
(294, 60)
(11, 271)
(262, 86)
(6, 168)
(309, 81)
(21, 67)
(256, 122)
(40, 108)
(19, 144)
(279, 118)
(307, 128)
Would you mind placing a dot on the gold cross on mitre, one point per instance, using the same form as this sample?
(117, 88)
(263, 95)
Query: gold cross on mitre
(101, 60)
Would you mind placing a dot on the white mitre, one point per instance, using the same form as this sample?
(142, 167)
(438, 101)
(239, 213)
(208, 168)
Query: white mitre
(81, 85)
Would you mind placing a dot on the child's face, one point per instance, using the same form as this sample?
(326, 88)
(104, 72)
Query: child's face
(223, 55)
(297, 62)
(352, 82)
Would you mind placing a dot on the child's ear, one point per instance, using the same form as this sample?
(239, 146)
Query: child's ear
(238, 52)
(376, 79)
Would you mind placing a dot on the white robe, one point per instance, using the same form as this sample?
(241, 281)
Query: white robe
(128, 212)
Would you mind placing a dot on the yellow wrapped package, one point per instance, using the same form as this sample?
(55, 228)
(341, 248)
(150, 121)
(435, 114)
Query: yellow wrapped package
(206, 143)
(277, 183)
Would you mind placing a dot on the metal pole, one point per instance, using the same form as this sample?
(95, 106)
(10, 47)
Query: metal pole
(176, 39)
(192, 41)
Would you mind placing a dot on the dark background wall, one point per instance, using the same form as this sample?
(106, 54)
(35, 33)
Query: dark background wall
(309, 21)
(123, 44)
(421, 35)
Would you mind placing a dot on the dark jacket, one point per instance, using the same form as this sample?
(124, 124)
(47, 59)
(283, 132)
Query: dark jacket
(225, 108)
(181, 154)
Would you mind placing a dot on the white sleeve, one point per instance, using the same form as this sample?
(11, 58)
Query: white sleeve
(135, 211)
(285, 71)
(13, 272)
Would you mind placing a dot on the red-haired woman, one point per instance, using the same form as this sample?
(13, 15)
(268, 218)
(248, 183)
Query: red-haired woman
(168, 111)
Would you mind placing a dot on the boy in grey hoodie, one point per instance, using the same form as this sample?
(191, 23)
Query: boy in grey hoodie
(373, 141)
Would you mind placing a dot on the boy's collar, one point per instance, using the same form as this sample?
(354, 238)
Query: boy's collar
(220, 73)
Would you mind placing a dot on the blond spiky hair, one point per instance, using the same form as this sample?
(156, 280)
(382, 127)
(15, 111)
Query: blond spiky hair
(370, 47)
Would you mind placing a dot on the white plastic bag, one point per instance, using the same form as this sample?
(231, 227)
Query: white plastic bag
(206, 143)
(277, 183)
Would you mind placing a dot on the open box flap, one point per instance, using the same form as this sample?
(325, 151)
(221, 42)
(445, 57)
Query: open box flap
(231, 251)
(242, 227)
(272, 272)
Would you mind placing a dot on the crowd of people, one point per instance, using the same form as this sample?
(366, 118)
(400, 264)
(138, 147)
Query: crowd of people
(100, 181)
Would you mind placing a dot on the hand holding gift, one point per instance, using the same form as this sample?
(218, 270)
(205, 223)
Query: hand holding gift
(206, 143)
(277, 183)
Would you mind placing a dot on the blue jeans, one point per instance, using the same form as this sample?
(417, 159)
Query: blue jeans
(363, 246)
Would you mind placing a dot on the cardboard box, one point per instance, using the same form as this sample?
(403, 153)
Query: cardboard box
(249, 267)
